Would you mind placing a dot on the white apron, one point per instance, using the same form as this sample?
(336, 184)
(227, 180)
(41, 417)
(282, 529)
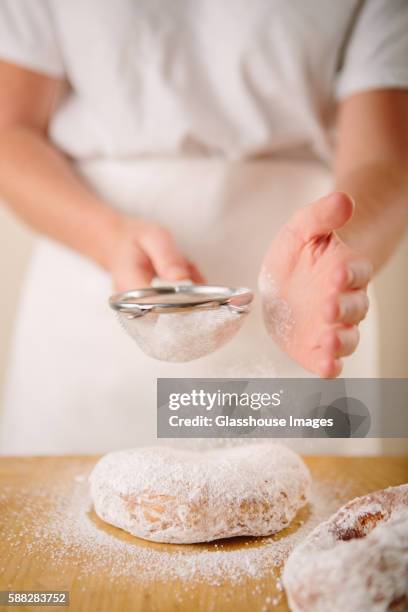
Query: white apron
(77, 383)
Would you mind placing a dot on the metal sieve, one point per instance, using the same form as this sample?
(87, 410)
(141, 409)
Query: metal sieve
(182, 322)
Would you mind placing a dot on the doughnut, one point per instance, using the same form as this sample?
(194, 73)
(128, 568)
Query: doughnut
(170, 495)
(357, 560)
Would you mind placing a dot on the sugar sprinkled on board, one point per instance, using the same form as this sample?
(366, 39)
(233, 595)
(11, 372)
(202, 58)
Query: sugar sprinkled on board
(67, 528)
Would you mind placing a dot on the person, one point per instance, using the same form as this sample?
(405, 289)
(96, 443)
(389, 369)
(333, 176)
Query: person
(194, 140)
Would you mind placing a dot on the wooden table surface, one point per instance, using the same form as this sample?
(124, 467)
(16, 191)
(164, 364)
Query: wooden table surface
(26, 566)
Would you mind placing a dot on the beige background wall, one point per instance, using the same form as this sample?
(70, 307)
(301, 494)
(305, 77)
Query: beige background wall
(391, 288)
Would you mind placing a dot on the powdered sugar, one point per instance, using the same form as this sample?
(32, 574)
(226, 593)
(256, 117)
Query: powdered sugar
(183, 496)
(357, 560)
(180, 337)
(58, 524)
(242, 368)
(278, 314)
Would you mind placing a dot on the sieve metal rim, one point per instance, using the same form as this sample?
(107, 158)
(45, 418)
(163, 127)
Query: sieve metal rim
(237, 299)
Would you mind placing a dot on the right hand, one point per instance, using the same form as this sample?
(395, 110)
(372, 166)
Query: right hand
(143, 250)
(314, 286)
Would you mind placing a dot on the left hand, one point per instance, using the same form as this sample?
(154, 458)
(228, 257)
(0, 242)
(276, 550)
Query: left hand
(139, 250)
(314, 287)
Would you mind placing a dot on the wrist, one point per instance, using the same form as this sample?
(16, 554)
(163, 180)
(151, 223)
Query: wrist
(106, 228)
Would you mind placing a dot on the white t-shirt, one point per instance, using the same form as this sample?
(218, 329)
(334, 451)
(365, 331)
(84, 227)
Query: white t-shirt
(231, 77)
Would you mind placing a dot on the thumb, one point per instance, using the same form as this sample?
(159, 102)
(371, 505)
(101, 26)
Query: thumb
(132, 271)
(323, 216)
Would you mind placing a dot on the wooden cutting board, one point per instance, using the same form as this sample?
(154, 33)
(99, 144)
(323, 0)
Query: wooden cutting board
(27, 496)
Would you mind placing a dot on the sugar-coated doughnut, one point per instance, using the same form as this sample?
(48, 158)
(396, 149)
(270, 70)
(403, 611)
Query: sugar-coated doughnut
(181, 496)
(357, 560)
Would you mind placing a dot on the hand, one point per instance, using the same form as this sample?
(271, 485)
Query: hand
(314, 287)
(142, 250)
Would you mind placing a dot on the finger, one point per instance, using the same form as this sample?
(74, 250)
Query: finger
(353, 274)
(348, 308)
(167, 260)
(329, 367)
(340, 342)
(195, 274)
(323, 216)
(135, 272)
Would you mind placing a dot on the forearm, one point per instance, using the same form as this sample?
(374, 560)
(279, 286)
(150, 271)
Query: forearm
(380, 192)
(41, 186)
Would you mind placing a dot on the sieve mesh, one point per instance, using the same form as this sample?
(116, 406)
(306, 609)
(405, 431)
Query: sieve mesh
(183, 336)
